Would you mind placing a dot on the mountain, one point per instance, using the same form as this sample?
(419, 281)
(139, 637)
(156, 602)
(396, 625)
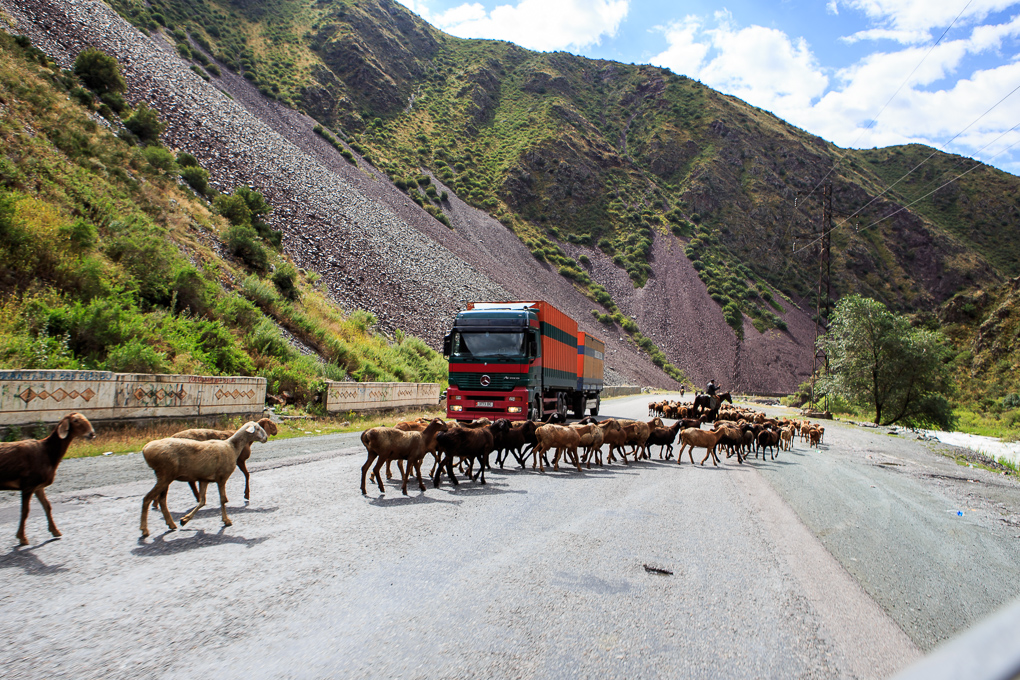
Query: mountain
(676, 214)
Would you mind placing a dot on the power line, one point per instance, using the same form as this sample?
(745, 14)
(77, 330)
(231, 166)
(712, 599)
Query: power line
(874, 121)
(976, 165)
(932, 154)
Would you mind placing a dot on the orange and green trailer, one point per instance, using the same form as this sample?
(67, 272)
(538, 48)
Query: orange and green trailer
(521, 360)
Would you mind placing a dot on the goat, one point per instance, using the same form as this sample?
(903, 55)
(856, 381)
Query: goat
(591, 441)
(614, 435)
(203, 435)
(768, 439)
(637, 437)
(187, 460)
(30, 466)
(469, 444)
(562, 438)
(703, 439)
(663, 437)
(515, 439)
(389, 443)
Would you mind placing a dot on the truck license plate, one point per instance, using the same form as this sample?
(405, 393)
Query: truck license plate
(483, 404)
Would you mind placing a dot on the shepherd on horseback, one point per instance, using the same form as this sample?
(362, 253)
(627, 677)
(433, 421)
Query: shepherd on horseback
(709, 402)
(710, 390)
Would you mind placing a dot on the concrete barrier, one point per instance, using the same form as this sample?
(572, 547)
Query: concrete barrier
(351, 396)
(28, 397)
(620, 391)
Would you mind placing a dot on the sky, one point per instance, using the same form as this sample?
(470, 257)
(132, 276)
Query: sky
(859, 73)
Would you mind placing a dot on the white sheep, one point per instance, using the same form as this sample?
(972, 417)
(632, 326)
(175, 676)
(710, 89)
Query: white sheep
(185, 460)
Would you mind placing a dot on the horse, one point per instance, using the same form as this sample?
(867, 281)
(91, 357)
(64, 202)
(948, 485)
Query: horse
(703, 403)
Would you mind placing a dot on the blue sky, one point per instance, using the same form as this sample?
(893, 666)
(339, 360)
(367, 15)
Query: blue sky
(860, 73)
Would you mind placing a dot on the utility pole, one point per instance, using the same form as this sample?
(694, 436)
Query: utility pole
(824, 294)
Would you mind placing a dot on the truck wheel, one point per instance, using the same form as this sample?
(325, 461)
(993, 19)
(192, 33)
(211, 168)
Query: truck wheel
(561, 404)
(536, 408)
(578, 407)
(598, 402)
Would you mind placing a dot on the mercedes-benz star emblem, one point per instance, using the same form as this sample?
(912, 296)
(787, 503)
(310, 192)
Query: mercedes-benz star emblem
(486, 380)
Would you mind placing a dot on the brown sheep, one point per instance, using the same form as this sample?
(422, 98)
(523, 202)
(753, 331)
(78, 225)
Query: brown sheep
(389, 443)
(591, 440)
(613, 434)
(703, 439)
(30, 466)
(637, 437)
(560, 437)
(203, 435)
(187, 460)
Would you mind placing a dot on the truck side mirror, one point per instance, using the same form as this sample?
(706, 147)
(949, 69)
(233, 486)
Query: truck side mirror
(447, 344)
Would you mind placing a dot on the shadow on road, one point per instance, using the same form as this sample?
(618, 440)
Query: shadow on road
(200, 539)
(400, 499)
(214, 509)
(28, 562)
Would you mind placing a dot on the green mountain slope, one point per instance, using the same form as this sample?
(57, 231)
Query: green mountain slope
(111, 261)
(566, 149)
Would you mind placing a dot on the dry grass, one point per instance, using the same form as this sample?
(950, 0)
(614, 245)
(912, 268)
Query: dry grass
(128, 438)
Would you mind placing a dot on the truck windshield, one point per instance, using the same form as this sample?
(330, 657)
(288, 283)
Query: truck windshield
(489, 344)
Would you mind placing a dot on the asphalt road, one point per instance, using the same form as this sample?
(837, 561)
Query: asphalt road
(531, 575)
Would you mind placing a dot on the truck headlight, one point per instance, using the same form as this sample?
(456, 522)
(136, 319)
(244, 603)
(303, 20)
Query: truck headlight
(456, 407)
(513, 409)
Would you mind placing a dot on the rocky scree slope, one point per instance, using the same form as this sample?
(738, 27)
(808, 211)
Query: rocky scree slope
(377, 250)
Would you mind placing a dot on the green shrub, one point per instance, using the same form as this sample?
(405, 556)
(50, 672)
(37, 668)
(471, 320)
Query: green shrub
(262, 293)
(214, 70)
(234, 208)
(284, 280)
(196, 177)
(159, 158)
(99, 71)
(115, 101)
(145, 124)
(243, 242)
(81, 235)
(135, 356)
(186, 160)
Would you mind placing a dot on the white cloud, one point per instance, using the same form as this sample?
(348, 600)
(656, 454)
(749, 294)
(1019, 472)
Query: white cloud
(771, 70)
(537, 24)
(761, 65)
(832, 7)
(905, 37)
(922, 16)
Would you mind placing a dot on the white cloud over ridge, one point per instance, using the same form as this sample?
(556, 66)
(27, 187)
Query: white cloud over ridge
(779, 73)
(544, 25)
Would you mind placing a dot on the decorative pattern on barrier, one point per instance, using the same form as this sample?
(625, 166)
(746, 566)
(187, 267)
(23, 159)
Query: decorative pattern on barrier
(33, 396)
(372, 396)
(57, 395)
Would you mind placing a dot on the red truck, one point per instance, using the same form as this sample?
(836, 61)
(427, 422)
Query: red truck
(519, 360)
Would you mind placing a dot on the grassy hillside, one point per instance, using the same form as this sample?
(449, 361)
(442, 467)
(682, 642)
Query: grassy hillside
(566, 149)
(118, 256)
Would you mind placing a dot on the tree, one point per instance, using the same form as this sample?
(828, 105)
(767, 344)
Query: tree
(877, 361)
(99, 71)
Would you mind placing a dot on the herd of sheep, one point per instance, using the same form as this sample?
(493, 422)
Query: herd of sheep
(740, 431)
(203, 456)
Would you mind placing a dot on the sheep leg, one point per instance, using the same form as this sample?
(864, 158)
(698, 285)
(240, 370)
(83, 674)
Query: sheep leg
(244, 469)
(222, 484)
(26, 496)
(556, 459)
(201, 502)
(194, 489)
(156, 496)
(41, 495)
(364, 472)
(405, 471)
(577, 460)
(376, 470)
(417, 471)
(481, 468)
(449, 469)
